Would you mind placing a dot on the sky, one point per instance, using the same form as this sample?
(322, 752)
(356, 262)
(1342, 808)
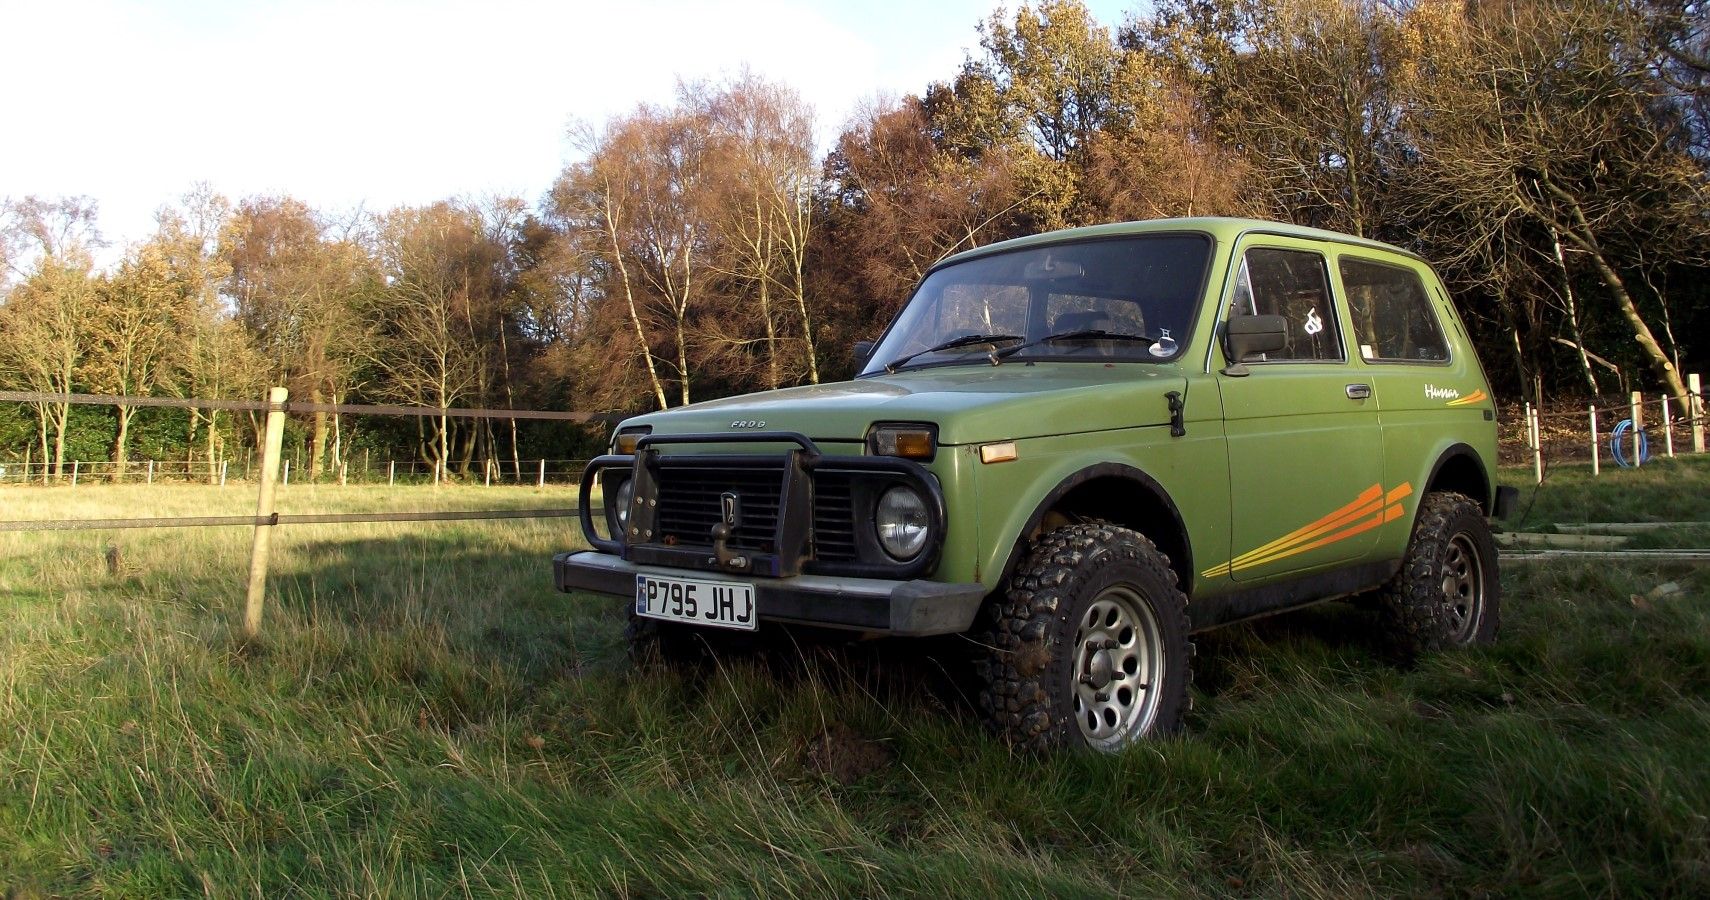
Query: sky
(377, 103)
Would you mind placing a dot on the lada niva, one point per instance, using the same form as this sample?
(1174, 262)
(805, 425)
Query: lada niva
(1079, 449)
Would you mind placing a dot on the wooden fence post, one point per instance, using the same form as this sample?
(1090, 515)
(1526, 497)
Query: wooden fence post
(223, 464)
(542, 481)
(287, 471)
(1535, 433)
(150, 479)
(1636, 415)
(1594, 454)
(1668, 428)
(1695, 409)
(75, 465)
(264, 509)
(391, 471)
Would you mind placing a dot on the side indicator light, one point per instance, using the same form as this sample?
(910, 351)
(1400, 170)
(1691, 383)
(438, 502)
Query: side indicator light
(996, 453)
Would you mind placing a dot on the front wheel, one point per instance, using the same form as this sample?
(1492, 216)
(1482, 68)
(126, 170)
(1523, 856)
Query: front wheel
(1089, 646)
(1447, 593)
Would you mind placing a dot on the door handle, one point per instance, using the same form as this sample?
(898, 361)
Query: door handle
(1359, 391)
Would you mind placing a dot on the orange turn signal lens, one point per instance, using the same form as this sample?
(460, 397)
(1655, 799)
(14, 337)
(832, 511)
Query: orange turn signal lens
(908, 443)
(626, 440)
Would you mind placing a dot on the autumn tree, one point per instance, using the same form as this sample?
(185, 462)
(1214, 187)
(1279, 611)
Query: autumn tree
(604, 195)
(135, 326)
(443, 329)
(761, 181)
(299, 290)
(44, 339)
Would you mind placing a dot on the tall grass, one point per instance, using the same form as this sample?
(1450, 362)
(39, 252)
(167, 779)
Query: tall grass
(425, 716)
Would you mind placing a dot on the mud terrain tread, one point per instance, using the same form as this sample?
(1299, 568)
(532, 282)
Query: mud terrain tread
(1414, 617)
(1024, 643)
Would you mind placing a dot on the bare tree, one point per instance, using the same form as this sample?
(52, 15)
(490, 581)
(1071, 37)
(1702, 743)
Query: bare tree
(1539, 112)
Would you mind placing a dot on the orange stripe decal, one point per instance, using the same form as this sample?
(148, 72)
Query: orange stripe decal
(1372, 508)
(1471, 398)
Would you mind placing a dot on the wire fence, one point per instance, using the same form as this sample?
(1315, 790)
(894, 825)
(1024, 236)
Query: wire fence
(221, 470)
(272, 470)
(1607, 431)
(537, 472)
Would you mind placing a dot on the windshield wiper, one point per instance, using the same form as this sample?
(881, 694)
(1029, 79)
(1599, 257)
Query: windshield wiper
(966, 340)
(1081, 334)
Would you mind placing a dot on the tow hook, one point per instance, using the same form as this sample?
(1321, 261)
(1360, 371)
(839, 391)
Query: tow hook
(730, 509)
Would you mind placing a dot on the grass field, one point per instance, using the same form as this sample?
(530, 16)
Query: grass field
(425, 716)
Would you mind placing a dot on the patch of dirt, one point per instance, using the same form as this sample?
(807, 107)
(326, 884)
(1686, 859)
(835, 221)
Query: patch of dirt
(843, 756)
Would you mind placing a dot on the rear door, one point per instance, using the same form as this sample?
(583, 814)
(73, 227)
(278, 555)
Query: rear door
(1305, 449)
(1399, 320)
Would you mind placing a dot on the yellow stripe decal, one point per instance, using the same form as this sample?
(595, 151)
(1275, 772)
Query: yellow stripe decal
(1372, 508)
(1471, 398)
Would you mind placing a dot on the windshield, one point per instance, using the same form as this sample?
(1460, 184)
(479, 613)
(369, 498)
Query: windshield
(1124, 299)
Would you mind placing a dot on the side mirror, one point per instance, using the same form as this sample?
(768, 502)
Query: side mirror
(863, 352)
(1247, 336)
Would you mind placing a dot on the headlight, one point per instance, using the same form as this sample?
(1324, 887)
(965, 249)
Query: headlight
(902, 523)
(622, 500)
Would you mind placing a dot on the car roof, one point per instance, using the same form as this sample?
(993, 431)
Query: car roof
(1220, 228)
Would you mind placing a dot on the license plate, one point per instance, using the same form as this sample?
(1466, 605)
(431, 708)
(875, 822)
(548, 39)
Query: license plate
(721, 604)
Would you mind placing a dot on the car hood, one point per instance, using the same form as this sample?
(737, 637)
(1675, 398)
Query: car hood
(970, 404)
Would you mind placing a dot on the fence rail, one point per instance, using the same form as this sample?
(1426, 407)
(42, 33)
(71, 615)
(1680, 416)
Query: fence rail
(274, 469)
(366, 409)
(460, 515)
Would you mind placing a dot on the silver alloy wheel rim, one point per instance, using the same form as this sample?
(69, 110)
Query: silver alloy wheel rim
(1463, 587)
(1119, 667)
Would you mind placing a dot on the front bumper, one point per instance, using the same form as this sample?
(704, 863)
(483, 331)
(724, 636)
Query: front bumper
(902, 608)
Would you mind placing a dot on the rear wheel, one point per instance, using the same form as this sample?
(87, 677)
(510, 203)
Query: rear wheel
(1089, 647)
(1447, 593)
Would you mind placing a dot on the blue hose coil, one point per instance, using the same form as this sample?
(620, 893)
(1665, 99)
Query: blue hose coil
(1617, 443)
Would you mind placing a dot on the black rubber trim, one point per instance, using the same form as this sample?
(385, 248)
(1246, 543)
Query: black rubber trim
(1251, 603)
(1458, 450)
(908, 608)
(1105, 470)
(1506, 499)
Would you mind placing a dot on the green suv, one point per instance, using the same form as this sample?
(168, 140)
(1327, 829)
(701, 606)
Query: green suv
(1078, 449)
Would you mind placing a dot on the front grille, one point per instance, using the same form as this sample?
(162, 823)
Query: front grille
(689, 504)
(833, 517)
(689, 508)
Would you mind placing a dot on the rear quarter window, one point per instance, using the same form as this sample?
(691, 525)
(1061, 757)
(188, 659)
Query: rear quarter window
(1393, 317)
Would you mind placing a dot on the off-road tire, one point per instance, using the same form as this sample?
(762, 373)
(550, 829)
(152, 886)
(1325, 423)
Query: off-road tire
(1033, 646)
(1447, 593)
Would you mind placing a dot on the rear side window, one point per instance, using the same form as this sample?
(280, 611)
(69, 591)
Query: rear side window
(1394, 320)
(1292, 284)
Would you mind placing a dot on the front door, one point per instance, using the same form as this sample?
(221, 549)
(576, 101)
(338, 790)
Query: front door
(1305, 448)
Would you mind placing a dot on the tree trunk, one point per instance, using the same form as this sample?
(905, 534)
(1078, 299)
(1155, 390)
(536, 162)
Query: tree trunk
(634, 314)
(41, 432)
(1573, 313)
(121, 441)
(318, 441)
(1582, 234)
(213, 425)
(62, 411)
